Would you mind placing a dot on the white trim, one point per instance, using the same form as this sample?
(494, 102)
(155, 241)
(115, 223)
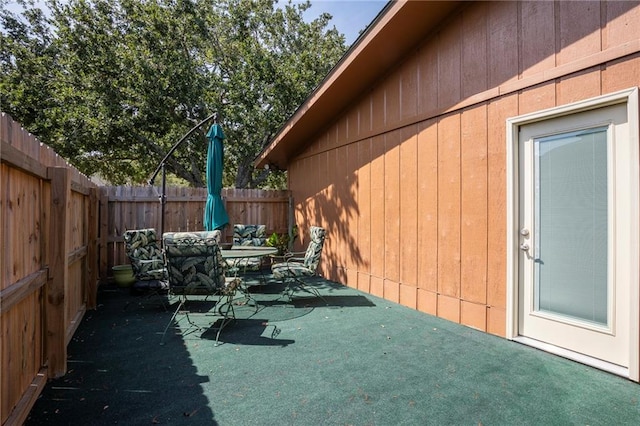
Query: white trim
(512, 250)
(633, 111)
(575, 356)
(630, 97)
(622, 96)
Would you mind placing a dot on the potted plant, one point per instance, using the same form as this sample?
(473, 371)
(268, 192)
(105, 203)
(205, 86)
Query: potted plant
(123, 275)
(281, 241)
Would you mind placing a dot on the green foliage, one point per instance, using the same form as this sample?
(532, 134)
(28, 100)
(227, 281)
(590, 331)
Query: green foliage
(282, 241)
(112, 85)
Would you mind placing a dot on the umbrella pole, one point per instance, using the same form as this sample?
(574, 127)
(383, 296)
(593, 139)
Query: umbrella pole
(161, 166)
(182, 139)
(163, 201)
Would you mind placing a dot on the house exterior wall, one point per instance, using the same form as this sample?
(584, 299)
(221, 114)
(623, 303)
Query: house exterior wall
(410, 182)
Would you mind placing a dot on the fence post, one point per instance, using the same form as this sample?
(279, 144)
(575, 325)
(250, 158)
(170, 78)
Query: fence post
(103, 231)
(92, 250)
(58, 276)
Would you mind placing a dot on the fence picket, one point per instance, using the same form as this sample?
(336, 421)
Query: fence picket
(137, 207)
(62, 227)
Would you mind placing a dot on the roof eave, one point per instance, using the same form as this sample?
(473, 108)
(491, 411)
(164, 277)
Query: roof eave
(397, 30)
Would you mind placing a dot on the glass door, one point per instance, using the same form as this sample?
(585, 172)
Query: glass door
(571, 240)
(572, 292)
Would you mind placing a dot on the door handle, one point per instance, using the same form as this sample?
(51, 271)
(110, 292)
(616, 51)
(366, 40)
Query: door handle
(524, 247)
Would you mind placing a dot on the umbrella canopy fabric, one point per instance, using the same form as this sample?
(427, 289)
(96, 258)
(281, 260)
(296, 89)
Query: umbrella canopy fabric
(215, 215)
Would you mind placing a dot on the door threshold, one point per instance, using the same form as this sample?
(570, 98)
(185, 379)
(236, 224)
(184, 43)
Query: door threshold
(574, 356)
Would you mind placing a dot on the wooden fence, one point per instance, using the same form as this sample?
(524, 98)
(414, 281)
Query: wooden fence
(49, 216)
(61, 234)
(138, 207)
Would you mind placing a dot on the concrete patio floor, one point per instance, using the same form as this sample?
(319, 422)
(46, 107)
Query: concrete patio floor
(358, 360)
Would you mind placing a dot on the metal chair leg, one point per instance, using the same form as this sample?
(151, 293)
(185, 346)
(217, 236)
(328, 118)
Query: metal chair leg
(302, 286)
(175, 313)
(226, 319)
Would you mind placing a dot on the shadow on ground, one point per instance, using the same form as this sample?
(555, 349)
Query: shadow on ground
(350, 359)
(118, 372)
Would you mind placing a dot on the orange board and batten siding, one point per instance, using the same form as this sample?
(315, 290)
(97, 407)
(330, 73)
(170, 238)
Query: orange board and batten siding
(410, 182)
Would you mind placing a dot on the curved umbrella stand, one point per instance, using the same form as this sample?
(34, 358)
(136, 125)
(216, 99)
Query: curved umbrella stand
(161, 166)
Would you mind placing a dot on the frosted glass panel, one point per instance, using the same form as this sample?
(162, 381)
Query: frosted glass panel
(571, 253)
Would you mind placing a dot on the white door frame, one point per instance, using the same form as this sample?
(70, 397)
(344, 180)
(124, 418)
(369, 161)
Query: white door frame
(630, 97)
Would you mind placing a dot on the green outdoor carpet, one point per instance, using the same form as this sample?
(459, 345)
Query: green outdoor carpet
(360, 360)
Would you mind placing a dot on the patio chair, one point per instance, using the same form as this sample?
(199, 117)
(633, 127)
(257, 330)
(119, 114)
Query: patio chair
(146, 260)
(195, 268)
(294, 269)
(249, 235)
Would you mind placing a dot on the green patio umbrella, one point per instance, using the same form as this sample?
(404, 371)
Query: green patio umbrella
(215, 215)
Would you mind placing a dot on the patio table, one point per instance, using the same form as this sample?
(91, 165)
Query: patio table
(247, 252)
(236, 253)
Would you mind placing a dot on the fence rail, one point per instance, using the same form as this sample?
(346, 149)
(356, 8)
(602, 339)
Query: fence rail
(61, 234)
(48, 240)
(138, 207)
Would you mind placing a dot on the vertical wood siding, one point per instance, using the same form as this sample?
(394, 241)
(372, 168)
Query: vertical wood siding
(411, 181)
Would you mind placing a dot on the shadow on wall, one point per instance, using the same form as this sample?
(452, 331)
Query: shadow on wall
(333, 206)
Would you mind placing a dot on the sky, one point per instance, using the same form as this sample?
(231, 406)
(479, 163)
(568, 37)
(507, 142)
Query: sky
(349, 16)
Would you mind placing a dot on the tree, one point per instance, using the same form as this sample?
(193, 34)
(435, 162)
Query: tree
(27, 61)
(113, 84)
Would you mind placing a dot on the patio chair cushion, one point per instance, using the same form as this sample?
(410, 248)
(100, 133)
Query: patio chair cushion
(295, 270)
(249, 235)
(196, 267)
(314, 249)
(195, 264)
(306, 266)
(194, 243)
(290, 269)
(144, 254)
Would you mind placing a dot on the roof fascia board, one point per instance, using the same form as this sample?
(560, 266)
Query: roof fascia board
(385, 42)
